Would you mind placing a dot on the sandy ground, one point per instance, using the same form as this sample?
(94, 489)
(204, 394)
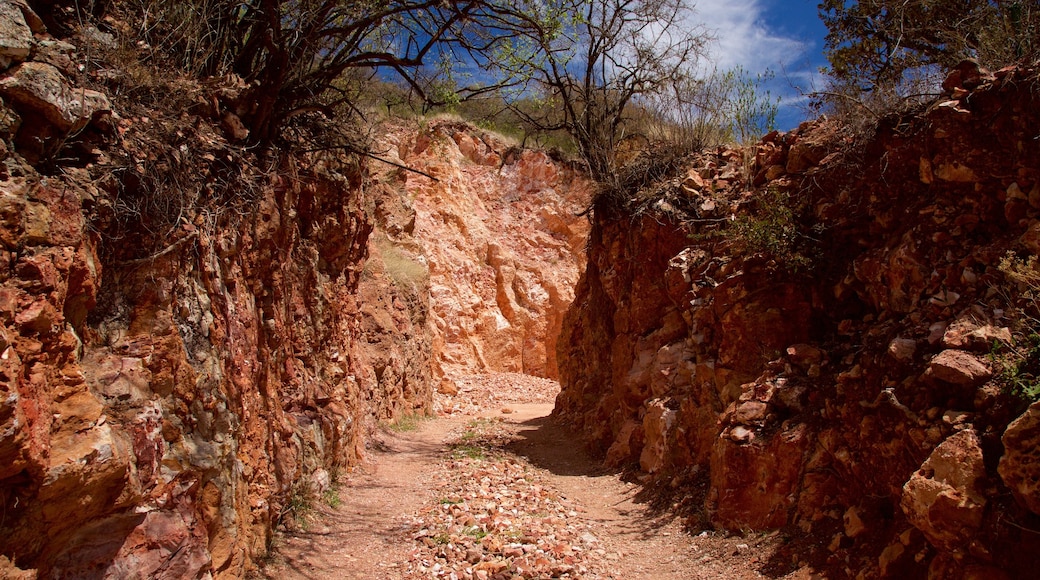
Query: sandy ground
(503, 493)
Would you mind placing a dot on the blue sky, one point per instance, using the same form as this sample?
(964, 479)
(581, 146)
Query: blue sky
(785, 36)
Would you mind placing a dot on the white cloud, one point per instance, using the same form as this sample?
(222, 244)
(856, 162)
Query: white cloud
(742, 39)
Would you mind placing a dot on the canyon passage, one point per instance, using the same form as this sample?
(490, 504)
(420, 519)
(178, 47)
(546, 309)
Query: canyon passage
(415, 347)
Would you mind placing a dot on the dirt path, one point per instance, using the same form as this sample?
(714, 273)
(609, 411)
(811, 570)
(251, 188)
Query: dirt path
(364, 536)
(639, 544)
(507, 495)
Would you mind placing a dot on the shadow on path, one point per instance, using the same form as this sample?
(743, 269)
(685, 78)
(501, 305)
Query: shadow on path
(622, 504)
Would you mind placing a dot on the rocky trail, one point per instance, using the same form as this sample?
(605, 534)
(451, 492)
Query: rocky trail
(501, 491)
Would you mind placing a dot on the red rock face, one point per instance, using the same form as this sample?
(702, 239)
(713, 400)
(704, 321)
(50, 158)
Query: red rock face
(502, 237)
(170, 383)
(167, 429)
(166, 397)
(796, 395)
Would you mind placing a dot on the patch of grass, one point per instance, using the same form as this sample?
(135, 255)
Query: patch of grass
(1018, 367)
(441, 539)
(474, 442)
(407, 422)
(299, 507)
(1018, 363)
(480, 424)
(331, 497)
(475, 532)
(407, 271)
(449, 501)
(468, 451)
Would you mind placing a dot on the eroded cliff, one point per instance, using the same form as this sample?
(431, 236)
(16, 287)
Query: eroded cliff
(503, 237)
(812, 353)
(196, 338)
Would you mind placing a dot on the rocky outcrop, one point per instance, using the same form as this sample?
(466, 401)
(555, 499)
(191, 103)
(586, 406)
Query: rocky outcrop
(196, 339)
(1020, 465)
(819, 344)
(190, 344)
(944, 498)
(501, 233)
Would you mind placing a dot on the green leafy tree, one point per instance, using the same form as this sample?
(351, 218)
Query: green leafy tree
(875, 44)
(588, 62)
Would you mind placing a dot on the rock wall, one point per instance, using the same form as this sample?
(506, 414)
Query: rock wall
(191, 341)
(502, 234)
(834, 379)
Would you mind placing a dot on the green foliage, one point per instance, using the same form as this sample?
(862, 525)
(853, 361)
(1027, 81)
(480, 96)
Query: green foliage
(874, 44)
(407, 422)
(723, 107)
(299, 506)
(773, 230)
(331, 497)
(752, 110)
(590, 61)
(1018, 368)
(293, 54)
(1018, 363)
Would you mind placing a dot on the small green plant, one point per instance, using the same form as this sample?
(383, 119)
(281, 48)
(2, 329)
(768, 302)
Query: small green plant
(773, 230)
(331, 497)
(1018, 367)
(407, 422)
(1018, 364)
(475, 532)
(299, 507)
(468, 451)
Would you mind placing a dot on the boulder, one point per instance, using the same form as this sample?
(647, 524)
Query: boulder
(968, 334)
(804, 355)
(966, 75)
(943, 498)
(15, 35)
(1020, 465)
(959, 368)
(955, 172)
(621, 451)
(804, 155)
(40, 89)
(57, 53)
(755, 483)
(902, 349)
(658, 424)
